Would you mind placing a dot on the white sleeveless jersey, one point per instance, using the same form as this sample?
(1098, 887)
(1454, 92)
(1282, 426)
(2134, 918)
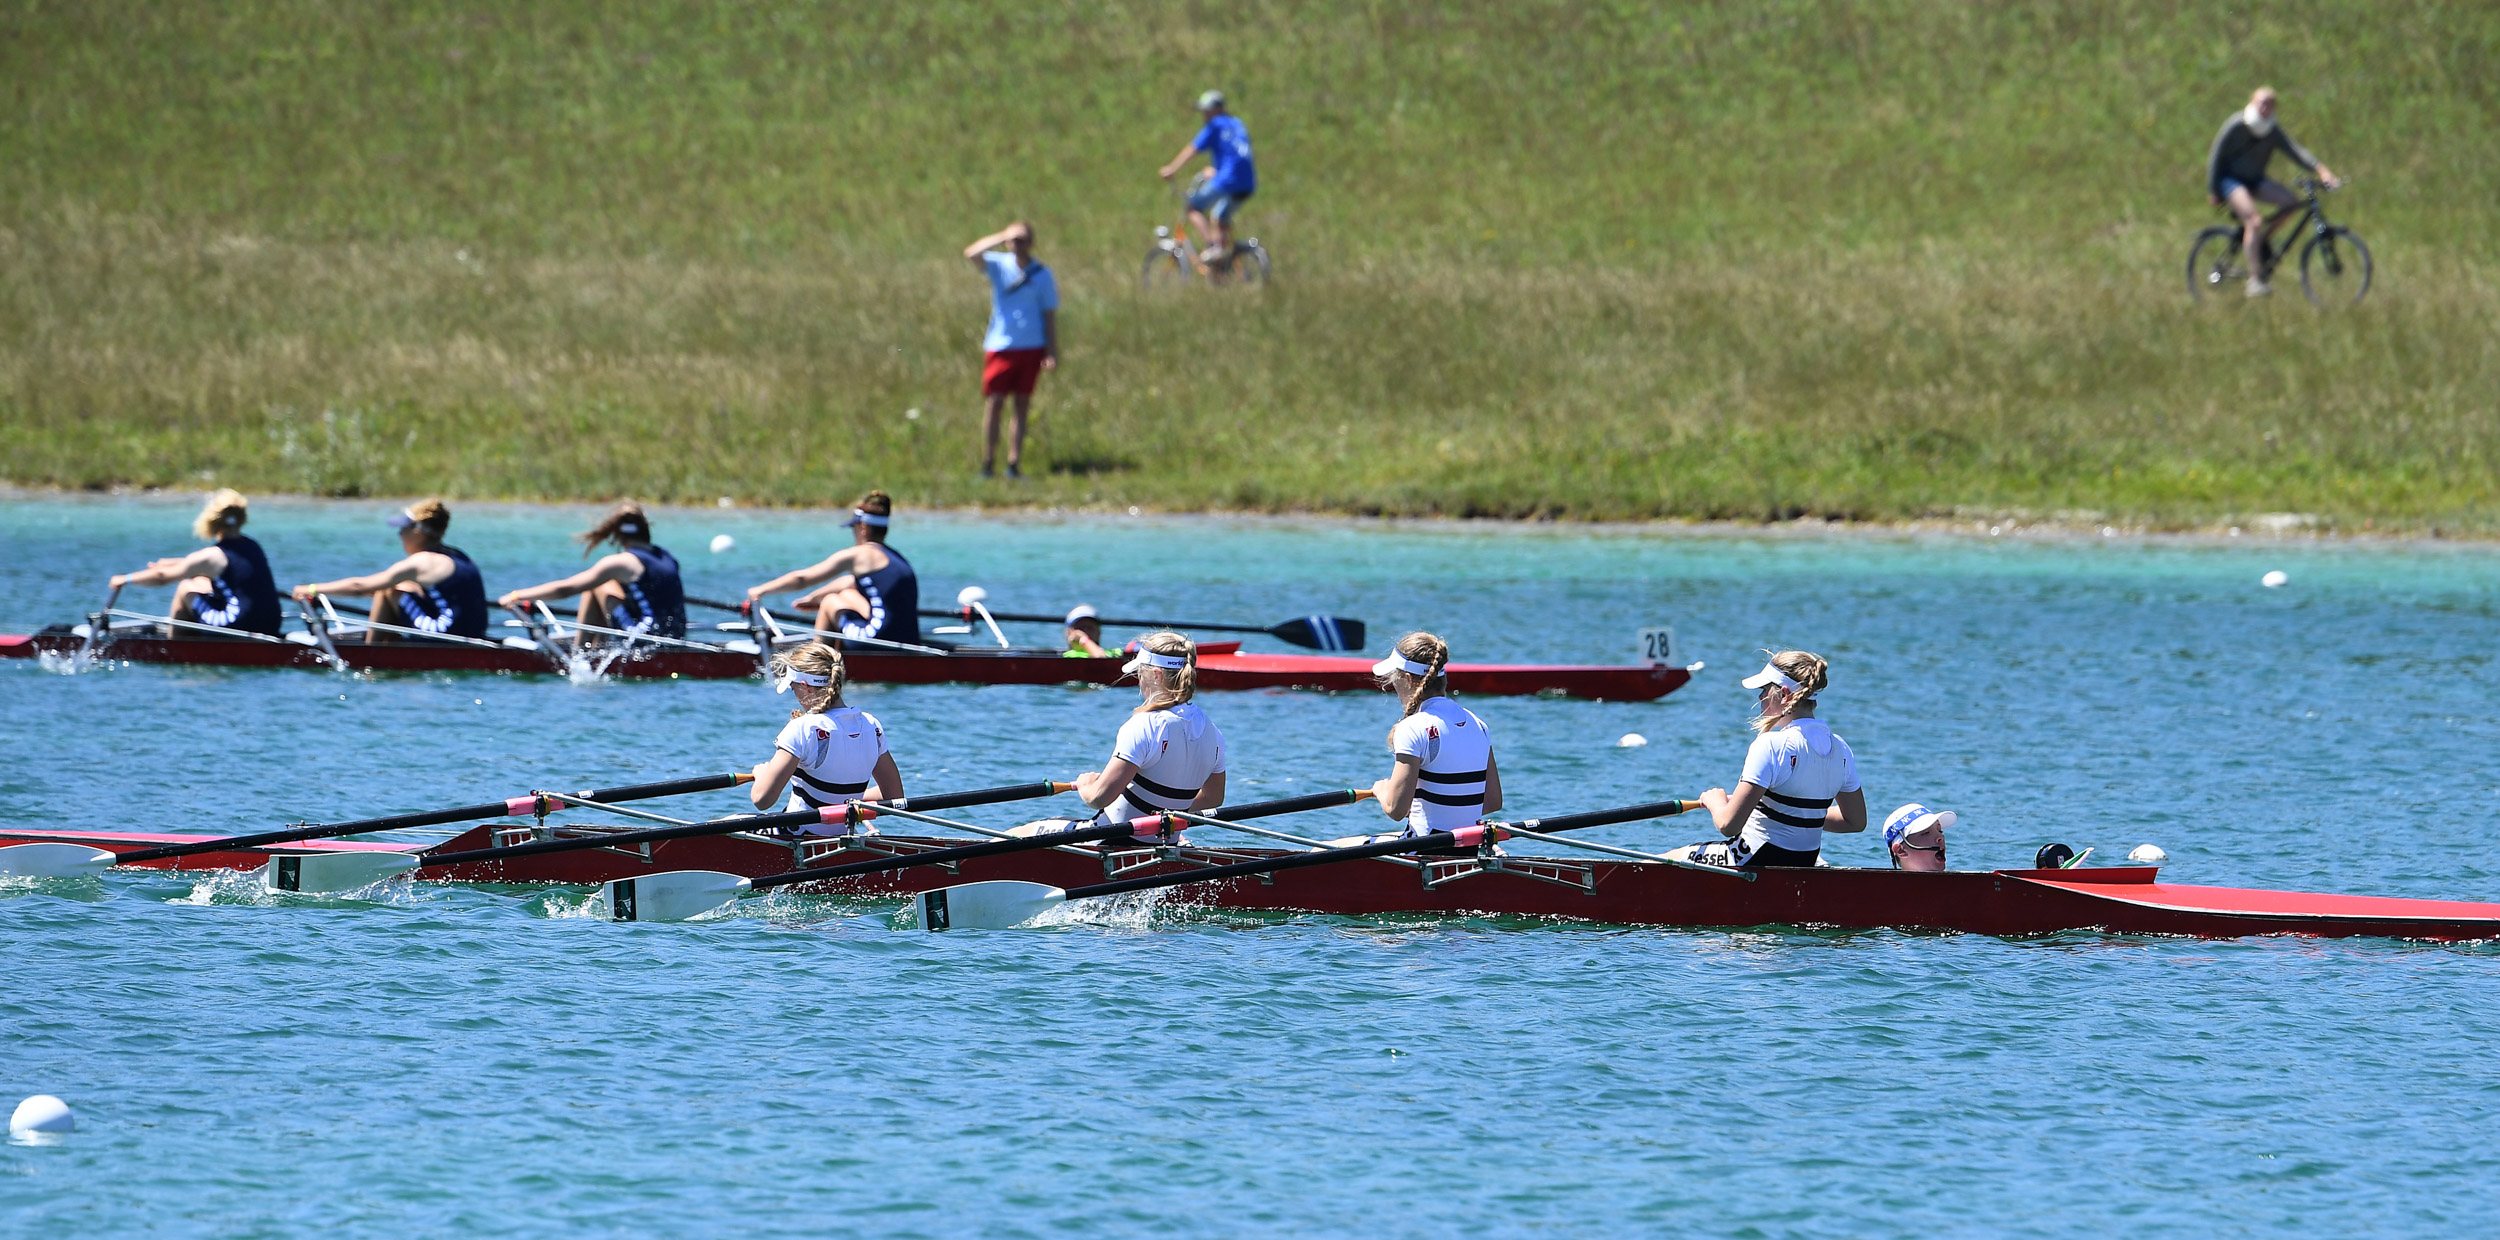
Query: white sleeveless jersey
(1802, 768)
(1175, 751)
(1452, 749)
(837, 752)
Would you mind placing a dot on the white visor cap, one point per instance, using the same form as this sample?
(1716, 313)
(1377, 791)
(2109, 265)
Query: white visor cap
(1147, 658)
(1082, 611)
(1772, 675)
(1400, 663)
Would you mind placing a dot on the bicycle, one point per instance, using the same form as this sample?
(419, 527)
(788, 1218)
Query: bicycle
(1173, 260)
(2334, 264)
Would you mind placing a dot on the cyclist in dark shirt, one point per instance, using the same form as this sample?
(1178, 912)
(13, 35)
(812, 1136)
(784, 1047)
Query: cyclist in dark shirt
(2235, 175)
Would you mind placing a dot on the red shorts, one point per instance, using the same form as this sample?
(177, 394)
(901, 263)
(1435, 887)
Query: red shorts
(1012, 372)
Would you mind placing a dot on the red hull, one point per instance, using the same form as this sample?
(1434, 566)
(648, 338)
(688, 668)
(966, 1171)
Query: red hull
(1998, 902)
(972, 666)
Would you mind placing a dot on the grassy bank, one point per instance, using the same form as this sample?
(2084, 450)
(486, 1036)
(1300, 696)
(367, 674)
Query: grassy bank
(1877, 259)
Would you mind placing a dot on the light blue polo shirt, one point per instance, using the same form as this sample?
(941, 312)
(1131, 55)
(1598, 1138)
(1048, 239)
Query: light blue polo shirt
(1017, 299)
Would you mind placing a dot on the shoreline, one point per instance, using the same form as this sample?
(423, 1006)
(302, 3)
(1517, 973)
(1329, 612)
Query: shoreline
(2067, 528)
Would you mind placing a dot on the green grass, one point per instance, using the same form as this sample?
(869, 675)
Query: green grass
(1882, 260)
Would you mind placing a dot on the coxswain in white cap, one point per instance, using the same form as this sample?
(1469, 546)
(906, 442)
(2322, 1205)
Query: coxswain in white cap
(1168, 754)
(1799, 780)
(864, 590)
(1443, 776)
(829, 753)
(1084, 633)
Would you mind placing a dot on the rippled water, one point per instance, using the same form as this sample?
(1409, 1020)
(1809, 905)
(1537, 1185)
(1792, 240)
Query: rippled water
(451, 1061)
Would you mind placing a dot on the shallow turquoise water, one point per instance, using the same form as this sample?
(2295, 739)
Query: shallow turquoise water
(460, 1062)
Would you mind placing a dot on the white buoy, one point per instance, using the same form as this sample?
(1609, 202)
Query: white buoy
(43, 1113)
(2148, 854)
(2276, 580)
(1631, 740)
(722, 542)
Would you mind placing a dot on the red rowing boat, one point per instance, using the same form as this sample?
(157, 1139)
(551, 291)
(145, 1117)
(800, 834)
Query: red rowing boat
(2117, 900)
(1221, 665)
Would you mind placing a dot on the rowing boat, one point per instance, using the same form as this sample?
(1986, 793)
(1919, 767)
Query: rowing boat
(2012, 902)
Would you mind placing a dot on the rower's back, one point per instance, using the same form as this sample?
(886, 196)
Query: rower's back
(1452, 750)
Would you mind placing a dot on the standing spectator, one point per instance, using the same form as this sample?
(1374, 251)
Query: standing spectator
(1023, 339)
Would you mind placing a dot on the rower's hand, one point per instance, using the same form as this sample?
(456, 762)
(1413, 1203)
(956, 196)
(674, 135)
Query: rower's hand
(120, 580)
(305, 594)
(511, 600)
(754, 593)
(1380, 793)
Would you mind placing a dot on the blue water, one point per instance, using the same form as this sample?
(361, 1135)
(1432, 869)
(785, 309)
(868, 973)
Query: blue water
(453, 1062)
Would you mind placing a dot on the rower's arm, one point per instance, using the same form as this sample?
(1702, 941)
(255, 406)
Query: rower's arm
(772, 779)
(830, 567)
(889, 778)
(1210, 794)
(1396, 794)
(1100, 788)
(1847, 816)
(1729, 812)
(205, 562)
(607, 569)
(1492, 786)
(406, 570)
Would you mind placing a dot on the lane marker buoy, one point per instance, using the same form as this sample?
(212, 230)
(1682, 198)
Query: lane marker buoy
(1631, 740)
(722, 542)
(2276, 580)
(2148, 854)
(42, 1113)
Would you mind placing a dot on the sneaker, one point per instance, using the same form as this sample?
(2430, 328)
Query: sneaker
(2259, 288)
(986, 471)
(1212, 257)
(1015, 471)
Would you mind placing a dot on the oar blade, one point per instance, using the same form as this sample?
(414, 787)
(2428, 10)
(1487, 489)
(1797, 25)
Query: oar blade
(986, 906)
(314, 873)
(1321, 633)
(677, 895)
(54, 861)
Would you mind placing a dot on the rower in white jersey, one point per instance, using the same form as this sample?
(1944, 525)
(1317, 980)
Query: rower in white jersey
(1444, 777)
(1168, 755)
(829, 753)
(1799, 781)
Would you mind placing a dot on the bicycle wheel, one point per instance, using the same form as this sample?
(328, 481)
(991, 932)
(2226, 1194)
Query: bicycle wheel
(2335, 268)
(1165, 268)
(2216, 263)
(1249, 265)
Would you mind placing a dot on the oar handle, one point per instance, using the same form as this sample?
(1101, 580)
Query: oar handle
(1026, 617)
(741, 609)
(1464, 837)
(850, 813)
(1052, 839)
(514, 806)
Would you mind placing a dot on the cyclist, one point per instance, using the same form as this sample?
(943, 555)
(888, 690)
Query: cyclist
(1233, 179)
(2235, 176)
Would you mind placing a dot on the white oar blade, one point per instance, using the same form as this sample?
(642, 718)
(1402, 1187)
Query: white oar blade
(333, 871)
(54, 861)
(986, 906)
(674, 896)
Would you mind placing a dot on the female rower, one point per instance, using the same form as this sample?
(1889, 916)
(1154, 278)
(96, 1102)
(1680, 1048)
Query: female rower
(225, 585)
(1443, 776)
(829, 752)
(867, 589)
(1799, 779)
(637, 589)
(1168, 754)
(434, 589)
(1083, 631)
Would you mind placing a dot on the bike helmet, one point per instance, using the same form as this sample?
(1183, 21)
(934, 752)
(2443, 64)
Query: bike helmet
(1210, 101)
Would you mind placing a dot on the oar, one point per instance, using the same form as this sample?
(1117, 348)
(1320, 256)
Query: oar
(1309, 632)
(679, 894)
(790, 617)
(1000, 905)
(51, 861)
(96, 625)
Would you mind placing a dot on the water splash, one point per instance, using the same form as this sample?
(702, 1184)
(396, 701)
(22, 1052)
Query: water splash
(247, 887)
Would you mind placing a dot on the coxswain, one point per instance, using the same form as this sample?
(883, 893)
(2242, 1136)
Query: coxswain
(434, 589)
(1083, 632)
(1443, 775)
(1799, 780)
(864, 590)
(1168, 754)
(225, 585)
(1914, 835)
(829, 753)
(637, 589)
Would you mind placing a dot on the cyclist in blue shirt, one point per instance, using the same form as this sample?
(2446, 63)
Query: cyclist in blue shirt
(1235, 178)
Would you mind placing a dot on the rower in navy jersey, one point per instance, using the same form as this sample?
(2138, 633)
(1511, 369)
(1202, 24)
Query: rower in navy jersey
(1444, 776)
(829, 753)
(434, 589)
(225, 585)
(864, 590)
(1168, 754)
(1799, 782)
(636, 589)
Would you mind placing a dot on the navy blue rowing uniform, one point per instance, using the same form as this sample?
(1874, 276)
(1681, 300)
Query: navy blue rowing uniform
(893, 594)
(657, 603)
(455, 605)
(245, 596)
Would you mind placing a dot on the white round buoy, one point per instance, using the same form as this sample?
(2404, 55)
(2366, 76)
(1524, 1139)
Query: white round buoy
(2148, 854)
(722, 542)
(2276, 580)
(42, 1113)
(1631, 740)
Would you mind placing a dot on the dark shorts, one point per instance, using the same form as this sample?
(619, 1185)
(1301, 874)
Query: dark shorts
(1012, 372)
(1219, 205)
(1773, 855)
(2257, 191)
